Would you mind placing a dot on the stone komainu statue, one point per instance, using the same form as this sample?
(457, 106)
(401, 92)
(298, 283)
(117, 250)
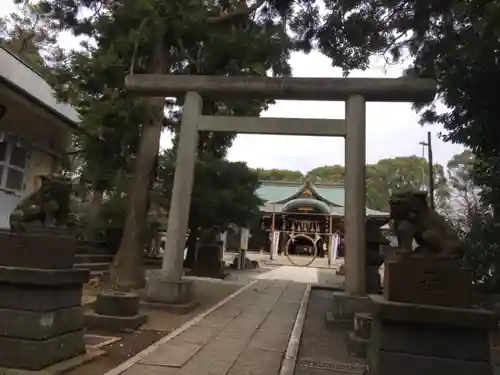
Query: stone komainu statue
(49, 205)
(414, 219)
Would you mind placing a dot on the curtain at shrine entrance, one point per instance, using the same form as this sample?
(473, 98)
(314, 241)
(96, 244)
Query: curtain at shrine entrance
(334, 243)
(275, 244)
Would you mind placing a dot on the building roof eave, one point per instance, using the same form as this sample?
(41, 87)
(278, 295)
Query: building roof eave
(25, 81)
(72, 125)
(307, 185)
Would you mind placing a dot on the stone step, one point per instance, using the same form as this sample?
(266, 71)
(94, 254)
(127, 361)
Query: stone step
(93, 258)
(356, 345)
(38, 229)
(93, 266)
(363, 325)
(93, 249)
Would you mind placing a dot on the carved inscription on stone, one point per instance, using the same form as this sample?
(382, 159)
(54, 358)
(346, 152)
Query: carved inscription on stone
(353, 368)
(431, 281)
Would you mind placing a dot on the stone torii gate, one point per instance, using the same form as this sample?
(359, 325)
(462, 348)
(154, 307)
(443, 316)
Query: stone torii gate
(168, 286)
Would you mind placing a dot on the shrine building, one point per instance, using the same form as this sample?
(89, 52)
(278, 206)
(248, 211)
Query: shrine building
(305, 212)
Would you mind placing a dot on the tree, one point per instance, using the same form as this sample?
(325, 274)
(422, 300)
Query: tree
(460, 50)
(159, 37)
(333, 173)
(25, 34)
(482, 243)
(227, 37)
(223, 193)
(279, 175)
(464, 194)
(452, 41)
(401, 173)
(389, 175)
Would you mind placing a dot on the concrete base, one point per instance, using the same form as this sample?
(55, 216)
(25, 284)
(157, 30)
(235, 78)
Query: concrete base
(168, 292)
(113, 323)
(357, 346)
(37, 354)
(60, 367)
(358, 340)
(117, 303)
(41, 319)
(345, 306)
(116, 312)
(431, 340)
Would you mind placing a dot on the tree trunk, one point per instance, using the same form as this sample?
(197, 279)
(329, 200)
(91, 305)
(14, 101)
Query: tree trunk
(127, 271)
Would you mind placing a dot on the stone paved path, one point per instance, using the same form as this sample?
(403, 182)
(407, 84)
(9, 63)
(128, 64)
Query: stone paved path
(323, 351)
(246, 336)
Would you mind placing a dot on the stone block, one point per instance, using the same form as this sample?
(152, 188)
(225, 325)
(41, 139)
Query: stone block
(334, 323)
(398, 363)
(362, 325)
(33, 276)
(117, 303)
(39, 298)
(345, 306)
(170, 292)
(429, 339)
(429, 314)
(208, 261)
(357, 346)
(198, 334)
(427, 281)
(36, 325)
(37, 250)
(172, 354)
(110, 323)
(35, 355)
(257, 361)
(41, 320)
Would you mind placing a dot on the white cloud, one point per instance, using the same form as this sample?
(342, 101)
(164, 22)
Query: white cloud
(392, 129)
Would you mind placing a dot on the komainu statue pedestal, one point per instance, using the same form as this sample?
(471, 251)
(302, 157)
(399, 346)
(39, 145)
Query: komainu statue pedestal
(425, 324)
(427, 281)
(41, 318)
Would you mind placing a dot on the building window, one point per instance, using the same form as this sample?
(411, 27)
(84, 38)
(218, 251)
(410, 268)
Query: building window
(13, 163)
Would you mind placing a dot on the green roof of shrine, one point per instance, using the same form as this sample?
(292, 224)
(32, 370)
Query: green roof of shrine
(277, 193)
(281, 192)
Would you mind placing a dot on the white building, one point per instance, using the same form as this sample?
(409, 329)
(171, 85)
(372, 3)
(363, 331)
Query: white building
(34, 130)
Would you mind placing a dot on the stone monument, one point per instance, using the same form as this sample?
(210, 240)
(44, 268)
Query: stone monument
(425, 322)
(374, 258)
(41, 319)
(207, 261)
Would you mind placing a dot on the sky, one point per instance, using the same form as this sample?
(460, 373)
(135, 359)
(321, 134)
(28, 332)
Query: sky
(392, 128)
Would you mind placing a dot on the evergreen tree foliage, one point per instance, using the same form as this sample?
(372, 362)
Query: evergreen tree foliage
(26, 35)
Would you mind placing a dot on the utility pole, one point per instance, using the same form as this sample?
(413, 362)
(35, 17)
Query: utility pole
(428, 144)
